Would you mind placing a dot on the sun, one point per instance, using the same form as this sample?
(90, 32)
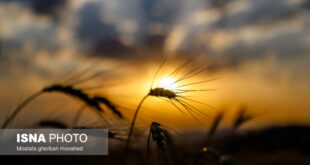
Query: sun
(168, 83)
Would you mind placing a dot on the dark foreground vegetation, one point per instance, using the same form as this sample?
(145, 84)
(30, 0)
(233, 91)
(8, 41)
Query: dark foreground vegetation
(287, 145)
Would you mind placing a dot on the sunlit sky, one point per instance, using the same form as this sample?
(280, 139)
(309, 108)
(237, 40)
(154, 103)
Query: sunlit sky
(258, 50)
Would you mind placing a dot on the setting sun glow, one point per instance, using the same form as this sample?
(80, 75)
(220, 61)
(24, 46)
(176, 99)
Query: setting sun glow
(168, 83)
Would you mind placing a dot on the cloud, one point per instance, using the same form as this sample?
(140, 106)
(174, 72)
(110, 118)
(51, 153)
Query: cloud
(161, 11)
(91, 26)
(155, 42)
(252, 32)
(99, 32)
(110, 47)
(225, 30)
(48, 7)
(97, 36)
(51, 8)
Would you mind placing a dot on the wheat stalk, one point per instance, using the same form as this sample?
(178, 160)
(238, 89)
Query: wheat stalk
(160, 135)
(19, 108)
(174, 97)
(93, 102)
(241, 118)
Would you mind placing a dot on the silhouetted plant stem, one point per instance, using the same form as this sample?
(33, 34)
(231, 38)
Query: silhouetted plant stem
(19, 108)
(77, 116)
(148, 143)
(133, 122)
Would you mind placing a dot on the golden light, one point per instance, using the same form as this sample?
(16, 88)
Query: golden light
(168, 83)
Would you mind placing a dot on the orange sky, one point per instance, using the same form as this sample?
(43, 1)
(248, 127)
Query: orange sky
(269, 100)
(259, 50)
